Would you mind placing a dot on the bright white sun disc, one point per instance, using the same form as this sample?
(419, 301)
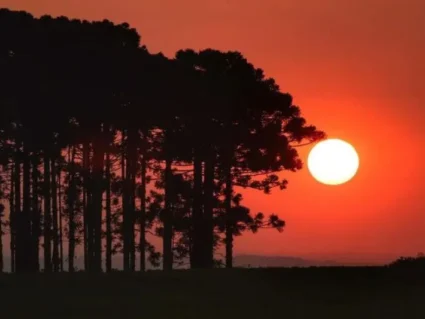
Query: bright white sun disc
(333, 162)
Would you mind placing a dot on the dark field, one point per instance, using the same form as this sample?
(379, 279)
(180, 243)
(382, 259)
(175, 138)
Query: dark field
(240, 293)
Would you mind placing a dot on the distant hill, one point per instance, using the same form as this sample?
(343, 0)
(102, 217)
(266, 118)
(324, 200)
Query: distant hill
(287, 261)
(278, 261)
(255, 261)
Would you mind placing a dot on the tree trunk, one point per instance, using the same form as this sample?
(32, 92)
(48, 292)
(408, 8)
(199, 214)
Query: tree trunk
(168, 218)
(130, 205)
(72, 196)
(125, 221)
(1, 228)
(208, 212)
(60, 219)
(229, 219)
(12, 219)
(131, 178)
(128, 211)
(55, 217)
(23, 238)
(108, 213)
(23, 225)
(197, 214)
(18, 215)
(87, 207)
(98, 167)
(132, 218)
(47, 216)
(142, 242)
(36, 231)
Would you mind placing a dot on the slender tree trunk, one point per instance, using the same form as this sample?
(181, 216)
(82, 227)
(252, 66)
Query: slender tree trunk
(229, 219)
(24, 251)
(36, 232)
(208, 212)
(108, 213)
(72, 196)
(129, 230)
(1, 228)
(47, 216)
(142, 243)
(23, 236)
(87, 207)
(12, 219)
(60, 219)
(131, 178)
(55, 217)
(98, 167)
(197, 213)
(168, 218)
(133, 218)
(18, 216)
(125, 221)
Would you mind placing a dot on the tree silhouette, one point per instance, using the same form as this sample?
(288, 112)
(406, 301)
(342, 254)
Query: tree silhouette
(248, 125)
(91, 117)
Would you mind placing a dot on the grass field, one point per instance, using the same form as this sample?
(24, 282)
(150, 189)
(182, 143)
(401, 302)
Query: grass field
(240, 293)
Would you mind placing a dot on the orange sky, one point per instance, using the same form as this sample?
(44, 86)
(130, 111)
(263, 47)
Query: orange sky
(356, 68)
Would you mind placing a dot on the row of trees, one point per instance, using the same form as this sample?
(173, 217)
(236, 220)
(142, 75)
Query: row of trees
(105, 146)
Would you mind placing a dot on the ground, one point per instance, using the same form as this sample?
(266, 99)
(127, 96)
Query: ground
(343, 293)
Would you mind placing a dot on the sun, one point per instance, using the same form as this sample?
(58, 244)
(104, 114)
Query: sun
(333, 162)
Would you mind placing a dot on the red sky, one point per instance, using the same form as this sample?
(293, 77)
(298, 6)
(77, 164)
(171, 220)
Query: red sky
(356, 68)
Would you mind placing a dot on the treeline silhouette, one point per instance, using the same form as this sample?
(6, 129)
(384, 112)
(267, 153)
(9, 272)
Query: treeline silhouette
(105, 146)
(409, 263)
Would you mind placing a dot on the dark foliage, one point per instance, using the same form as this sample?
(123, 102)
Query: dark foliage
(409, 263)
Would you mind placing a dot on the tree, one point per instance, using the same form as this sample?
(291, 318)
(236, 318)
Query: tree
(252, 125)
